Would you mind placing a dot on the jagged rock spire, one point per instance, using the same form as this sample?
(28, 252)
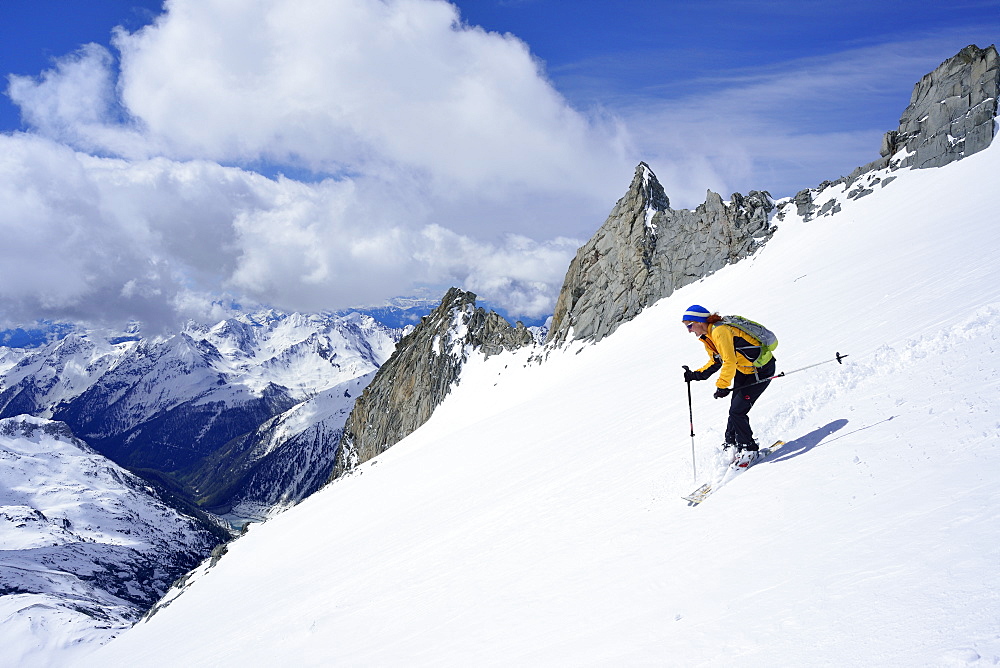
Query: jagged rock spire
(951, 111)
(420, 373)
(950, 117)
(645, 250)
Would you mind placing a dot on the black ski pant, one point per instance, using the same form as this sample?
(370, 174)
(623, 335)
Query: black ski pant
(746, 390)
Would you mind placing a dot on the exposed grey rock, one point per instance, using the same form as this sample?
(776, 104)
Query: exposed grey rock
(420, 374)
(890, 140)
(645, 250)
(803, 202)
(950, 116)
(833, 206)
(951, 111)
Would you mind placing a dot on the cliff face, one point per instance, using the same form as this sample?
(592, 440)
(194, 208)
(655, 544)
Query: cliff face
(645, 250)
(951, 111)
(420, 373)
(950, 117)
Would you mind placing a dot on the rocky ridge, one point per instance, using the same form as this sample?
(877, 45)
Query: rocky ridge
(645, 250)
(419, 374)
(950, 117)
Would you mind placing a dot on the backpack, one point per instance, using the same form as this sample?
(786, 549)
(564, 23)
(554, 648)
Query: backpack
(768, 341)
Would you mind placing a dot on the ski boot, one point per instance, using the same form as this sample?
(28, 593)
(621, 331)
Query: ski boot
(745, 456)
(727, 453)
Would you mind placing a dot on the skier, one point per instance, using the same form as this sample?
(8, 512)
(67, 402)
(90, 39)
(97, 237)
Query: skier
(733, 351)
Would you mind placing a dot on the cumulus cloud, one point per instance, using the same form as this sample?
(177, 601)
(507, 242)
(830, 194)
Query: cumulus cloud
(518, 267)
(76, 103)
(97, 239)
(110, 240)
(440, 154)
(357, 86)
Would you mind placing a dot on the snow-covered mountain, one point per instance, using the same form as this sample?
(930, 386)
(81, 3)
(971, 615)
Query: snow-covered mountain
(426, 364)
(36, 381)
(536, 518)
(283, 460)
(187, 410)
(87, 547)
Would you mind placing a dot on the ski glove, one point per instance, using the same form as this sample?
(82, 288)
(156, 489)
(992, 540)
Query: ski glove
(721, 392)
(690, 375)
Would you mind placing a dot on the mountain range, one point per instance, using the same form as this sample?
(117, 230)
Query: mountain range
(203, 411)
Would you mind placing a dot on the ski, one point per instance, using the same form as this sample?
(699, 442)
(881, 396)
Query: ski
(765, 453)
(703, 492)
(698, 495)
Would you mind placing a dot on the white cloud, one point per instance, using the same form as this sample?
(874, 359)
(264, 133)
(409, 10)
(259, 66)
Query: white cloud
(98, 239)
(357, 86)
(79, 91)
(109, 240)
(520, 269)
(443, 140)
(76, 103)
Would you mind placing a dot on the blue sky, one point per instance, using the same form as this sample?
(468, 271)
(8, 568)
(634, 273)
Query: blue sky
(596, 51)
(317, 155)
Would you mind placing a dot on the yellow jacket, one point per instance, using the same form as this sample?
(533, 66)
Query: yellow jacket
(722, 349)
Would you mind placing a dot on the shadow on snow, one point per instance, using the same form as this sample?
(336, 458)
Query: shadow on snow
(804, 444)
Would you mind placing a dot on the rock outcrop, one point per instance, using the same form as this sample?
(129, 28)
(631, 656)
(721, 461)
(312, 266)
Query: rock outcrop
(420, 373)
(950, 117)
(951, 111)
(645, 250)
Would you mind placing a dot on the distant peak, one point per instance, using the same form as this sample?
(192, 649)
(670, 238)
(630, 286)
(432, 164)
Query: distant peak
(646, 183)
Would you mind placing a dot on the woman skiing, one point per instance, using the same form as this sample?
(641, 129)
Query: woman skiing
(734, 351)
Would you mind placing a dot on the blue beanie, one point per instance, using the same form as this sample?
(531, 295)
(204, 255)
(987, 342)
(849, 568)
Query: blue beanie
(695, 314)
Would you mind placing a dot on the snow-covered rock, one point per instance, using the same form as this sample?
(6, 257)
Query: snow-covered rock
(420, 374)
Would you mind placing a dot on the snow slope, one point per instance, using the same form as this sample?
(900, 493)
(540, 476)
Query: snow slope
(536, 519)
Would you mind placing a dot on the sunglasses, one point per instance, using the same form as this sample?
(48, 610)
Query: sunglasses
(689, 325)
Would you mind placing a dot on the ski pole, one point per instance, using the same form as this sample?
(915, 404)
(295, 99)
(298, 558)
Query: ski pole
(838, 359)
(694, 467)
